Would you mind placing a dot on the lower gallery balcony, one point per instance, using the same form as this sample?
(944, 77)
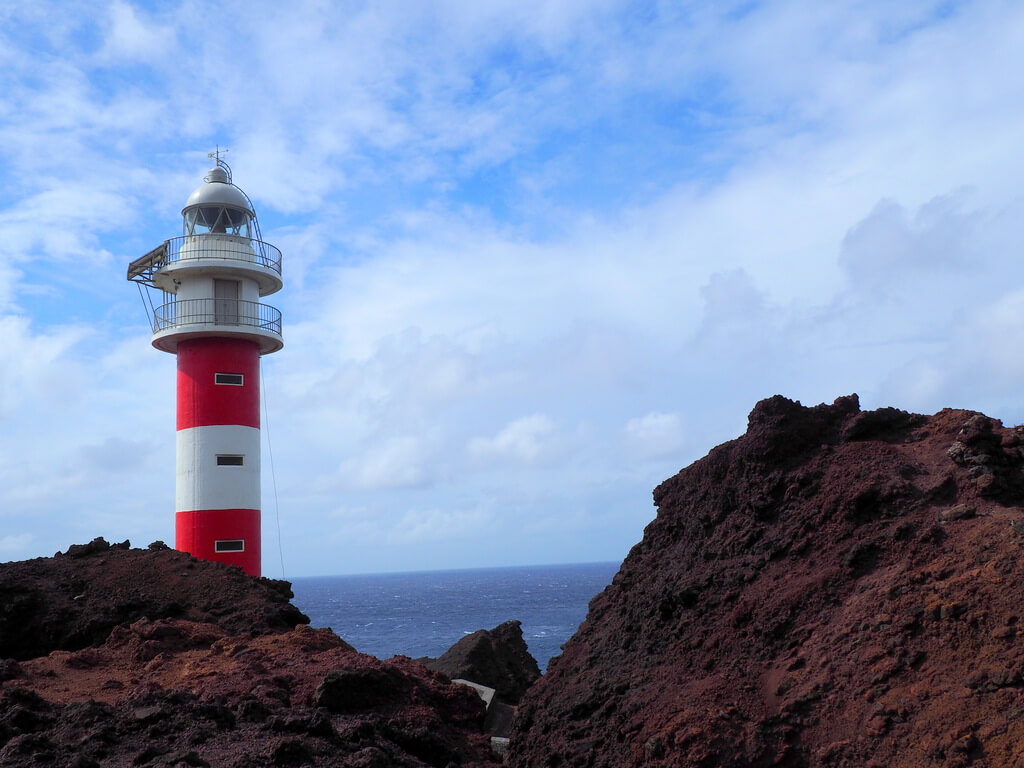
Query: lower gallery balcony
(189, 318)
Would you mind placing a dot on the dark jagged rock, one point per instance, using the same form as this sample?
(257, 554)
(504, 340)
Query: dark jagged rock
(94, 547)
(497, 658)
(353, 690)
(75, 599)
(9, 668)
(834, 588)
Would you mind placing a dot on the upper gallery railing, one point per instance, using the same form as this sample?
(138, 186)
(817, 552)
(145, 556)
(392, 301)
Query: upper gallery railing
(207, 246)
(222, 247)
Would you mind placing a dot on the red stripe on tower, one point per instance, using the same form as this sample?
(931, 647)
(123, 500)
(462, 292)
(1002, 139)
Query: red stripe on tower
(213, 321)
(230, 536)
(218, 382)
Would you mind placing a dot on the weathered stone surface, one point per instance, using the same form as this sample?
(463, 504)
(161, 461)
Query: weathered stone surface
(833, 588)
(74, 600)
(497, 658)
(352, 690)
(152, 658)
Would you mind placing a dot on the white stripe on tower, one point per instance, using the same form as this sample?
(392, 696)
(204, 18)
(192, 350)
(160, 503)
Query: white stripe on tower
(203, 482)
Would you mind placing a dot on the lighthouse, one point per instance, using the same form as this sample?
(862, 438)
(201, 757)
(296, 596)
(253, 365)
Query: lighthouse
(208, 283)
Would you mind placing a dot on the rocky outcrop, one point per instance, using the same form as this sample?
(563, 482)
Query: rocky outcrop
(74, 599)
(497, 658)
(170, 692)
(153, 658)
(834, 588)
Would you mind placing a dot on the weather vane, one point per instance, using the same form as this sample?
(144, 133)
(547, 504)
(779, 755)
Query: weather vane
(216, 155)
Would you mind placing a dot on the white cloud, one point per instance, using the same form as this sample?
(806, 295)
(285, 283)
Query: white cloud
(131, 37)
(887, 247)
(15, 545)
(976, 365)
(655, 434)
(39, 372)
(439, 525)
(395, 462)
(115, 455)
(525, 440)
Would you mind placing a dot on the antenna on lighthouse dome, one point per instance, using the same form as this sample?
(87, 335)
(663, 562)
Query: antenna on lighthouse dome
(221, 164)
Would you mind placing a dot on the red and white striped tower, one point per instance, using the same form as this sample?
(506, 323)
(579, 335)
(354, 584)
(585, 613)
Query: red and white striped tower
(212, 278)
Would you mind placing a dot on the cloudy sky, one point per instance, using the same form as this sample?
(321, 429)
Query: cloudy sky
(538, 255)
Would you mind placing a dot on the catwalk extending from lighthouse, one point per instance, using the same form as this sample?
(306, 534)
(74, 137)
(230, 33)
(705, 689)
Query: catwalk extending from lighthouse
(211, 279)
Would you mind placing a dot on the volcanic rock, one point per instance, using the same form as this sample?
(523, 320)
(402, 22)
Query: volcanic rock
(497, 658)
(152, 658)
(74, 600)
(833, 588)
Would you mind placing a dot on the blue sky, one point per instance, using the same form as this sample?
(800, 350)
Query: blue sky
(538, 257)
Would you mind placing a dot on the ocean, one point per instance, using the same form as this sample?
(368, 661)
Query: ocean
(425, 613)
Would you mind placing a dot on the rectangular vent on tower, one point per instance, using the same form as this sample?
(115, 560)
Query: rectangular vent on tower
(230, 460)
(235, 379)
(229, 545)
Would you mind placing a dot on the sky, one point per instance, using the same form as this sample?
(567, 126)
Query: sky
(538, 256)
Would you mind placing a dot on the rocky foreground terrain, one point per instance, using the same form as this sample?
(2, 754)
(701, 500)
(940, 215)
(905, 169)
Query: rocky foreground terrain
(834, 588)
(111, 656)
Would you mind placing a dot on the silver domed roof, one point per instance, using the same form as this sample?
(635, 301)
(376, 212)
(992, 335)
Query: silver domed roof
(216, 191)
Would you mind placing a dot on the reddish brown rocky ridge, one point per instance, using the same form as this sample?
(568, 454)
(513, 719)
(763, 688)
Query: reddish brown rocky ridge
(111, 656)
(74, 599)
(834, 588)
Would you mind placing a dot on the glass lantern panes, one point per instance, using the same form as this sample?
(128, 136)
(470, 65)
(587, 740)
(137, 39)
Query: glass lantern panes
(218, 219)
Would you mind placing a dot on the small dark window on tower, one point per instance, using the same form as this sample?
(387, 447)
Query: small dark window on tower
(229, 545)
(230, 460)
(237, 379)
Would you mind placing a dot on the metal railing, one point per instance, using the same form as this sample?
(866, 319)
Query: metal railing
(235, 312)
(221, 247)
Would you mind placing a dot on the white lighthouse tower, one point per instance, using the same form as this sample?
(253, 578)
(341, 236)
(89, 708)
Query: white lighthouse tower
(211, 280)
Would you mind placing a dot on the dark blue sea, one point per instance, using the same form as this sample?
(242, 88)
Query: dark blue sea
(423, 614)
